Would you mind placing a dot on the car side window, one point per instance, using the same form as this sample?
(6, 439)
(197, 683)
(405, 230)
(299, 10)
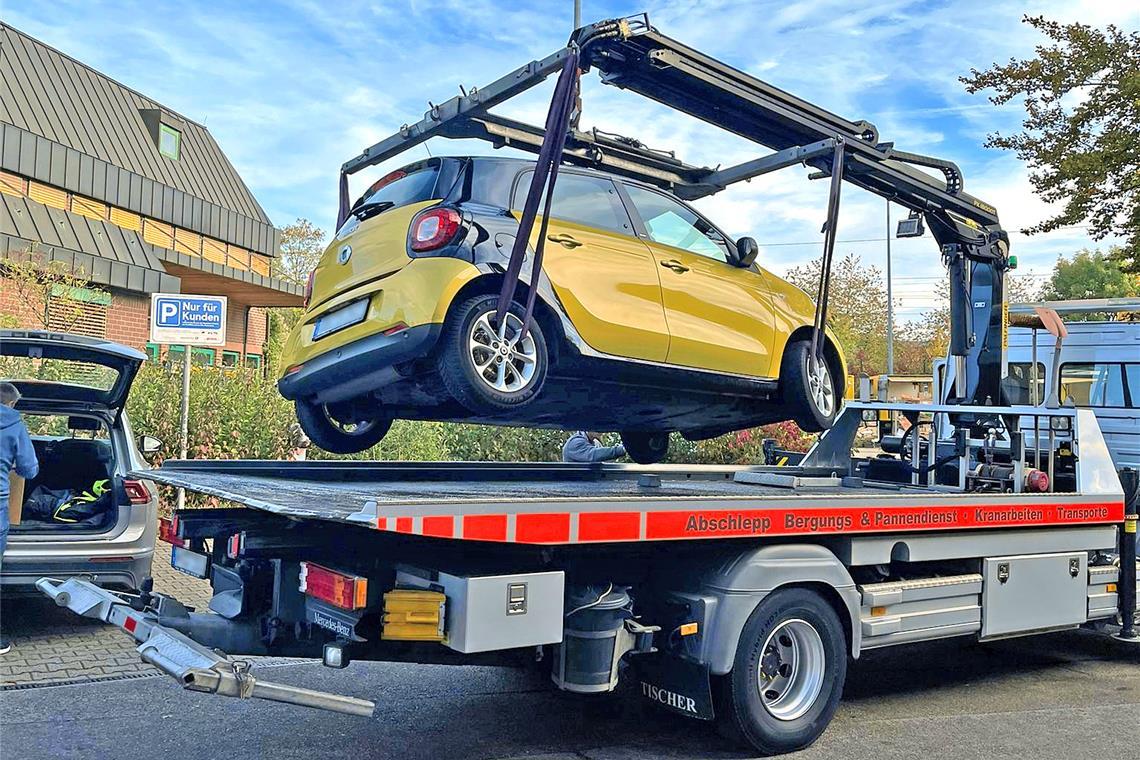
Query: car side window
(590, 201)
(672, 223)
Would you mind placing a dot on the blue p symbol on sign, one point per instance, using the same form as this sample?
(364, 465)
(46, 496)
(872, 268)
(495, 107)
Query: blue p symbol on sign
(169, 315)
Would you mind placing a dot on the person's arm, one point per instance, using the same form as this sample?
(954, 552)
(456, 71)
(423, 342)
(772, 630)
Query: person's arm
(606, 453)
(25, 463)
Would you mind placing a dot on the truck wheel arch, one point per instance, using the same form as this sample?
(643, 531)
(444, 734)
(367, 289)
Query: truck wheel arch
(741, 584)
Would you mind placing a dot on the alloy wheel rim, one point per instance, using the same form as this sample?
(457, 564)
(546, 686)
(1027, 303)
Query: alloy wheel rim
(500, 359)
(791, 669)
(820, 387)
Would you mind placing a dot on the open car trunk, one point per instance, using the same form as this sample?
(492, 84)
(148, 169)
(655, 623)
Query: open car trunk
(76, 489)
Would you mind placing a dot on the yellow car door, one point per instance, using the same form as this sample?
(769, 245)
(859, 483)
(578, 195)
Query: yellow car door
(604, 276)
(719, 316)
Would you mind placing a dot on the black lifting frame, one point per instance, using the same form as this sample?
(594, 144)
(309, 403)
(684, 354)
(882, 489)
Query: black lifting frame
(630, 54)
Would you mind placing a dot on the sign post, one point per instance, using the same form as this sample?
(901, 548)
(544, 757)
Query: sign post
(189, 320)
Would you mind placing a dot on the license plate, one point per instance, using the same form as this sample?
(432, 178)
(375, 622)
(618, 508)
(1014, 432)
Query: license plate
(345, 316)
(191, 563)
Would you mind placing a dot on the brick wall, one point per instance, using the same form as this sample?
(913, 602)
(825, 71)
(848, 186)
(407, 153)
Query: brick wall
(14, 306)
(128, 319)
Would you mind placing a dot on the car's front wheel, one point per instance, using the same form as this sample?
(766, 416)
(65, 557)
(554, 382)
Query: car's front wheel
(809, 389)
(646, 448)
(490, 367)
(337, 434)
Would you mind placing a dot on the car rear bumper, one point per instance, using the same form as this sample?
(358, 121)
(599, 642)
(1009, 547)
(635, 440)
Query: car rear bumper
(121, 570)
(358, 367)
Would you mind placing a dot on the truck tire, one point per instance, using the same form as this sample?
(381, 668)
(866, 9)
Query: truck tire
(811, 398)
(487, 371)
(646, 448)
(787, 678)
(335, 436)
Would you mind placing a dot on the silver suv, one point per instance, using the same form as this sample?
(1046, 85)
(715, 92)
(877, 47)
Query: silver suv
(81, 515)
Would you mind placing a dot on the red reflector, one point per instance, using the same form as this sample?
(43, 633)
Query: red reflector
(294, 369)
(349, 592)
(398, 327)
(168, 532)
(233, 546)
(136, 491)
(130, 624)
(110, 559)
(434, 228)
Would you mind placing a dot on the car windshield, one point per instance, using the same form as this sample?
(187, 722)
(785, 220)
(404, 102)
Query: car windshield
(22, 369)
(401, 187)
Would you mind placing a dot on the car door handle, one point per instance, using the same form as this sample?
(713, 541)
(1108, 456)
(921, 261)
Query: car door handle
(675, 265)
(564, 240)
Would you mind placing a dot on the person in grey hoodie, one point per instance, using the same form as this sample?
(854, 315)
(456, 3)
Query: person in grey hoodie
(586, 446)
(16, 453)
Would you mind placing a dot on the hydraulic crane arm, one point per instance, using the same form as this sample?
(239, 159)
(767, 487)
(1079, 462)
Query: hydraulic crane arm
(630, 54)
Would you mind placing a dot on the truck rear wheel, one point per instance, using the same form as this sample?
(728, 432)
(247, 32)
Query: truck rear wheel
(786, 680)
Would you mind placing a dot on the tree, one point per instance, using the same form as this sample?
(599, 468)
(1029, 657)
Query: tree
(46, 291)
(1090, 274)
(856, 309)
(302, 244)
(1081, 132)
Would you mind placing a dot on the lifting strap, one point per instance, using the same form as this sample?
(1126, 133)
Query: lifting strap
(563, 107)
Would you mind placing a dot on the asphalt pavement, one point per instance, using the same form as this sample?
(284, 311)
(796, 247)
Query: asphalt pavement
(1065, 695)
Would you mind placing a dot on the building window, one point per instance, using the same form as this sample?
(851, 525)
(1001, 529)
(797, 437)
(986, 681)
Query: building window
(169, 141)
(202, 357)
(253, 361)
(231, 358)
(152, 351)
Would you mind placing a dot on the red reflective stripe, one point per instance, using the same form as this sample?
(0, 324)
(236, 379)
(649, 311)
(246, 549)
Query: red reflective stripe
(130, 624)
(485, 527)
(381, 523)
(439, 525)
(542, 529)
(609, 526)
(926, 517)
(403, 525)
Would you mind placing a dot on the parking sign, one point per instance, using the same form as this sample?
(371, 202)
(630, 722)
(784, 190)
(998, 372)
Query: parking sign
(187, 320)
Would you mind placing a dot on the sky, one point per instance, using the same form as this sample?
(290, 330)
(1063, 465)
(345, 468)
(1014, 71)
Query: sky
(292, 89)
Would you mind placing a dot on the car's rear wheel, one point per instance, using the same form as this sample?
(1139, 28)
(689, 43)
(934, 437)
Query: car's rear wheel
(810, 390)
(491, 367)
(339, 432)
(646, 448)
(787, 678)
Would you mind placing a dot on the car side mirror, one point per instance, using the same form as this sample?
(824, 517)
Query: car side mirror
(746, 252)
(148, 444)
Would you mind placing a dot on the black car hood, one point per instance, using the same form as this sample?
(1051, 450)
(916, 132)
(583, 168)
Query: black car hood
(77, 348)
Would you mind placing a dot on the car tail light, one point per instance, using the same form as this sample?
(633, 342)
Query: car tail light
(168, 532)
(348, 592)
(136, 491)
(434, 228)
(309, 287)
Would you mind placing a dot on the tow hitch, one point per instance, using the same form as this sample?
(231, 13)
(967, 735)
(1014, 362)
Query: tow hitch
(195, 667)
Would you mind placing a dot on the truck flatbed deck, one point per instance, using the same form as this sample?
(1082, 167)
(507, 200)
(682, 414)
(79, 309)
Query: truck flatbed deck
(552, 503)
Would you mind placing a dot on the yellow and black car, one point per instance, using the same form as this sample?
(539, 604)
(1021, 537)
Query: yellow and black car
(648, 318)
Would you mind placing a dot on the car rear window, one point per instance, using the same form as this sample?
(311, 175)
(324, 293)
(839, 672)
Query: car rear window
(64, 371)
(590, 201)
(403, 186)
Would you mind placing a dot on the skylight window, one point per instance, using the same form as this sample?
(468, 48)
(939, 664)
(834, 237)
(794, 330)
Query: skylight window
(169, 141)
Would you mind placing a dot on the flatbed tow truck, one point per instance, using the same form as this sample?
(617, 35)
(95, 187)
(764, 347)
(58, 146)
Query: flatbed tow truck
(729, 593)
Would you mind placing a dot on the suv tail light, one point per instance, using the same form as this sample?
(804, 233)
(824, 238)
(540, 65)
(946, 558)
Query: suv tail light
(309, 287)
(349, 592)
(137, 491)
(434, 228)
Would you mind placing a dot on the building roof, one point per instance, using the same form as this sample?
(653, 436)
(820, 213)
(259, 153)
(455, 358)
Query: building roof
(53, 96)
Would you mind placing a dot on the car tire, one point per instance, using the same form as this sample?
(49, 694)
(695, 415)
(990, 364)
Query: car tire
(812, 399)
(483, 372)
(646, 448)
(788, 674)
(338, 437)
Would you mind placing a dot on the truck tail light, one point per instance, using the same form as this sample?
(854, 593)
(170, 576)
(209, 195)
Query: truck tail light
(348, 592)
(168, 532)
(137, 491)
(434, 228)
(309, 287)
